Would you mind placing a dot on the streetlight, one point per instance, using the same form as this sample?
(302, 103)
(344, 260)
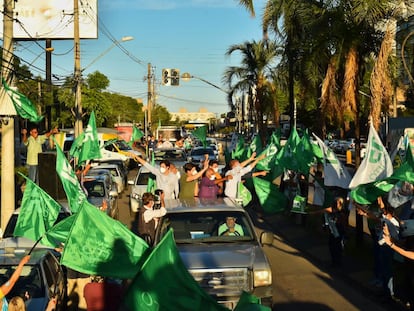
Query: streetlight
(123, 39)
(186, 76)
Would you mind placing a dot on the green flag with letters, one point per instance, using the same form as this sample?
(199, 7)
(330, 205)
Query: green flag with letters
(100, 245)
(70, 182)
(22, 104)
(164, 283)
(38, 212)
(86, 145)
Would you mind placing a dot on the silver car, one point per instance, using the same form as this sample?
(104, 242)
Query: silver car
(41, 278)
(223, 264)
(139, 186)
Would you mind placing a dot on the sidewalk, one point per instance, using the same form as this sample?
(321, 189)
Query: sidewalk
(307, 235)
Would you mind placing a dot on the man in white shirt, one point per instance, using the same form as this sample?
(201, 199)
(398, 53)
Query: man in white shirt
(238, 170)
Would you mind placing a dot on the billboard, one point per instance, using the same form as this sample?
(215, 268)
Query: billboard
(53, 19)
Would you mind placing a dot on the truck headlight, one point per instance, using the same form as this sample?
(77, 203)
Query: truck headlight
(136, 196)
(262, 278)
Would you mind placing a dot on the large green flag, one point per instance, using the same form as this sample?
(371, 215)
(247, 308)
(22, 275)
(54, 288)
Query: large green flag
(164, 283)
(201, 134)
(286, 158)
(70, 182)
(243, 194)
(137, 134)
(304, 154)
(22, 104)
(58, 234)
(100, 245)
(256, 144)
(269, 195)
(267, 163)
(368, 193)
(86, 145)
(239, 150)
(38, 212)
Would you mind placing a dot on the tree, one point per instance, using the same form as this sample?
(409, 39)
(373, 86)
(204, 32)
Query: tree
(253, 76)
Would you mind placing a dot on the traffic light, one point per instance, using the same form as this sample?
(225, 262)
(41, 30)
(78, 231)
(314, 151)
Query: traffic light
(175, 77)
(166, 76)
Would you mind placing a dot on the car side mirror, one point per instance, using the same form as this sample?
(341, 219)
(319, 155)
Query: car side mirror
(266, 238)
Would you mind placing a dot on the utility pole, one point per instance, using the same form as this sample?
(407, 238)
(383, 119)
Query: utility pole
(150, 91)
(78, 73)
(7, 130)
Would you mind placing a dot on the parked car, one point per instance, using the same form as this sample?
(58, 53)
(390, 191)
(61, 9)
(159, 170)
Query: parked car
(138, 187)
(98, 193)
(117, 175)
(110, 181)
(197, 155)
(175, 155)
(11, 224)
(120, 163)
(223, 265)
(41, 278)
(122, 147)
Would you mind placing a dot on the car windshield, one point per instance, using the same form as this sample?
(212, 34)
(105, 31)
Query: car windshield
(198, 152)
(95, 188)
(29, 281)
(170, 155)
(143, 178)
(196, 227)
(122, 145)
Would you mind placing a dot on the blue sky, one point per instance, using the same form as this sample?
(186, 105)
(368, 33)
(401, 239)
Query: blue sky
(191, 35)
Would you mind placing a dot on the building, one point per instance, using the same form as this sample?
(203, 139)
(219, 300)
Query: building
(202, 116)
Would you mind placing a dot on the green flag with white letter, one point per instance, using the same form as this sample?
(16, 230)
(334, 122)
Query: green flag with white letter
(23, 105)
(164, 283)
(100, 245)
(38, 212)
(376, 165)
(86, 145)
(70, 182)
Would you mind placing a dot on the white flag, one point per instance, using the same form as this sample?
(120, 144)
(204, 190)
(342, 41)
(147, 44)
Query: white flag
(335, 174)
(376, 165)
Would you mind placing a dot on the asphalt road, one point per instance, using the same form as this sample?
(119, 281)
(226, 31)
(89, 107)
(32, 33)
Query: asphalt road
(298, 283)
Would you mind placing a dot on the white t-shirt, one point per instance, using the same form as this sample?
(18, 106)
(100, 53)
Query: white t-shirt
(231, 185)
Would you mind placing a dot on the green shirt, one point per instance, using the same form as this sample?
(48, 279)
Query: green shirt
(238, 230)
(187, 188)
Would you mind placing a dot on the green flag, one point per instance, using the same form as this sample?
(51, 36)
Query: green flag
(249, 302)
(256, 144)
(70, 182)
(100, 245)
(243, 194)
(164, 283)
(38, 212)
(270, 152)
(137, 134)
(239, 150)
(58, 234)
(86, 145)
(151, 185)
(275, 138)
(271, 199)
(201, 134)
(286, 158)
(304, 154)
(22, 104)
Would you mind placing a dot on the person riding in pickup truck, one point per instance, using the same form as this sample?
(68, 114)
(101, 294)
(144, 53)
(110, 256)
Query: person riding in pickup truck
(230, 228)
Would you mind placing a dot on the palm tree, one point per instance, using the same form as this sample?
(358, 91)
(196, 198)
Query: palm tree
(252, 76)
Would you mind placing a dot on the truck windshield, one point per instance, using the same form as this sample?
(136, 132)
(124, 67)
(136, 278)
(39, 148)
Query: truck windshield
(194, 227)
